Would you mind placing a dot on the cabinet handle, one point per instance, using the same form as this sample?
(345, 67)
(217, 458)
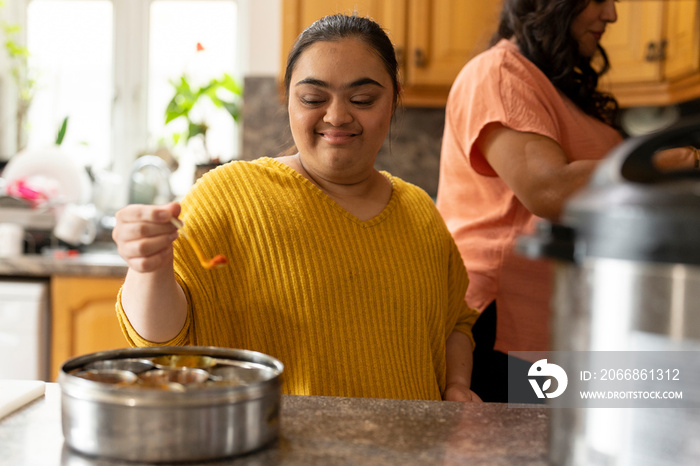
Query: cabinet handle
(419, 58)
(656, 51)
(651, 52)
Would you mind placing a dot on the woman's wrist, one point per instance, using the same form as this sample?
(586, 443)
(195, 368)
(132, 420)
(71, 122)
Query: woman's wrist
(458, 391)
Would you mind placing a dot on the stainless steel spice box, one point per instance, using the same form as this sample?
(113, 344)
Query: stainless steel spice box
(170, 404)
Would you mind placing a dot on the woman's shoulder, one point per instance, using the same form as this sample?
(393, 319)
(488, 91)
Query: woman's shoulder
(502, 61)
(262, 163)
(407, 189)
(414, 198)
(263, 166)
(504, 84)
(234, 178)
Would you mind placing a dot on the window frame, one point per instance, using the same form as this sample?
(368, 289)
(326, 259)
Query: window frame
(129, 107)
(129, 116)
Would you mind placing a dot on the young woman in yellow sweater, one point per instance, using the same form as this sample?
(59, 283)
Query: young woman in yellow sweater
(346, 274)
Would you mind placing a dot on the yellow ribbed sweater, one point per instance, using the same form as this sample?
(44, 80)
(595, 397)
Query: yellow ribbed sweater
(352, 308)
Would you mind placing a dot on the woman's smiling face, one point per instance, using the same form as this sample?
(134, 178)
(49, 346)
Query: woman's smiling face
(340, 109)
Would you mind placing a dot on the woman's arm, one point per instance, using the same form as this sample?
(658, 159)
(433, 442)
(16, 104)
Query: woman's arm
(538, 171)
(459, 368)
(151, 297)
(535, 167)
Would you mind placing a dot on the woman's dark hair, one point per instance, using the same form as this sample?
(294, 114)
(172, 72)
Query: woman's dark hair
(336, 27)
(542, 29)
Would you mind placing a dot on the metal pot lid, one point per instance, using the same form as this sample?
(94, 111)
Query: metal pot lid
(630, 210)
(650, 224)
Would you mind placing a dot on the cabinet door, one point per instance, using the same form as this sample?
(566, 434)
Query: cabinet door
(633, 42)
(682, 39)
(83, 318)
(299, 14)
(443, 35)
(654, 51)
(433, 38)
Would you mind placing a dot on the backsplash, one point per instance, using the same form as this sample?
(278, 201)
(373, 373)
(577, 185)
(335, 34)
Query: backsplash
(411, 151)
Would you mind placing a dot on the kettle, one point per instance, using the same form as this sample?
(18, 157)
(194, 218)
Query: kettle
(627, 278)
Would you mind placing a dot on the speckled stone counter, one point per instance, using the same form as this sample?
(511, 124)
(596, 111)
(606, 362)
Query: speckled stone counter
(331, 431)
(97, 263)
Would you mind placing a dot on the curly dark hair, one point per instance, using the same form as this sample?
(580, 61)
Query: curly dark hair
(542, 31)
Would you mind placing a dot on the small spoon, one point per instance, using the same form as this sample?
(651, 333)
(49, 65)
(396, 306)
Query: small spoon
(213, 263)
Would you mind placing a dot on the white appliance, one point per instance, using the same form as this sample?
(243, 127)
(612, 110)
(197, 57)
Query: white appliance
(24, 329)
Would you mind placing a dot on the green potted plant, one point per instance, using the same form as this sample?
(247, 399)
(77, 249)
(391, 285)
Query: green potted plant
(224, 92)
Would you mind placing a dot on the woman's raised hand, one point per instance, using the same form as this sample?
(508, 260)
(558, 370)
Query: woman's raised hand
(144, 235)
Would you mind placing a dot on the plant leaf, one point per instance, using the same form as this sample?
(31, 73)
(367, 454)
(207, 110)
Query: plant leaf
(62, 132)
(230, 84)
(196, 128)
(234, 109)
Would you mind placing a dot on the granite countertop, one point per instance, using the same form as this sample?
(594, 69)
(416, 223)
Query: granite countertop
(99, 260)
(328, 430)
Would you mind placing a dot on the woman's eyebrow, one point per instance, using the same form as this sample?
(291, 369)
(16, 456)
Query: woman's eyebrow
(312, 82)
(363, 82)
(357, 83)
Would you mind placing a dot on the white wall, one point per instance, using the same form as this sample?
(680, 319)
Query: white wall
(261, 24)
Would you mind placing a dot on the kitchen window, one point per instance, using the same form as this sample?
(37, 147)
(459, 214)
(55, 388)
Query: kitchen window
(106, 65)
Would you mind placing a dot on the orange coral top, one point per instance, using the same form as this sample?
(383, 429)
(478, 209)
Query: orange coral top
(482, 212)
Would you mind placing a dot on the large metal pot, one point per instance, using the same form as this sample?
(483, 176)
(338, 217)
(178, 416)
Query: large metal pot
(627, 279)
(199, 413)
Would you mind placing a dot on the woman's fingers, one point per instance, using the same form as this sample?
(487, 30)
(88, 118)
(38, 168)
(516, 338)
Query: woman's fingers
(155, 214)
(677, 158)
(152, 262)
(144, 235)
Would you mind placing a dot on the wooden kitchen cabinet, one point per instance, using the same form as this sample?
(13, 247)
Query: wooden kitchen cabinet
(83, 317)
(433, 38)
(654, 51)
